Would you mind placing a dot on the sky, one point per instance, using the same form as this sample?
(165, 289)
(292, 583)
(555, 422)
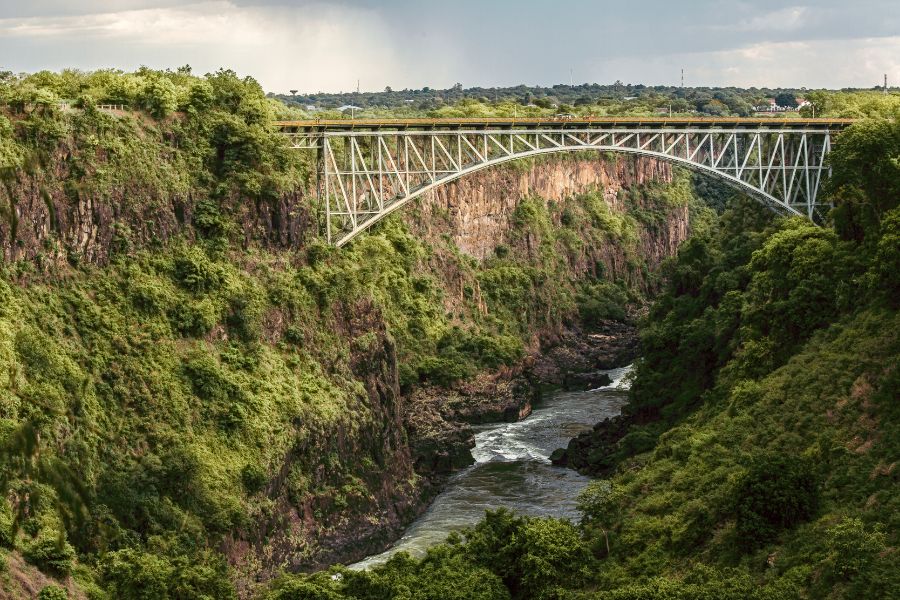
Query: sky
(315, 46)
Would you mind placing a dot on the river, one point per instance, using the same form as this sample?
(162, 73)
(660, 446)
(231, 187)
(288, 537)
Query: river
(512, 468)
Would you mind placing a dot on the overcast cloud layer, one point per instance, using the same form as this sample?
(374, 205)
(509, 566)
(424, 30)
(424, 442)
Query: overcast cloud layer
(312, 46)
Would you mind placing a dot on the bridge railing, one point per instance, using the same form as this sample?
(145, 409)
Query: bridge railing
(370, 172)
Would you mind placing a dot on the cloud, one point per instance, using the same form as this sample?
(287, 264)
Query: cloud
(322, 47)
(315, 45)
(789, 18)
(813, 64)
(198, 23)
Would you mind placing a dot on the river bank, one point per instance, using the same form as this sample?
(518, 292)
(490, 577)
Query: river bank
(449, 428)
(511, 467)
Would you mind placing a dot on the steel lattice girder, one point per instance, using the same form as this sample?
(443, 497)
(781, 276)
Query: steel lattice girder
(366, 175)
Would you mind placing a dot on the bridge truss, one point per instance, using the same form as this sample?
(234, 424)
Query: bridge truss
(367, 173)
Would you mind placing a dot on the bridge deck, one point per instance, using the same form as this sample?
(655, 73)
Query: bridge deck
(336, 125)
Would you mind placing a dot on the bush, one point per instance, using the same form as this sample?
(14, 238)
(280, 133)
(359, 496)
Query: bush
(6, 534)
(51, 554)
(300, 589)
(160, 97)
(601, 301)
(886, 266)
(253, 477)
(444, 370)
(852, 547)
(196, 272)
(535, 558)
(778, 492)
(245, 313)
(53, 592)
(131, 574)
(194, 318)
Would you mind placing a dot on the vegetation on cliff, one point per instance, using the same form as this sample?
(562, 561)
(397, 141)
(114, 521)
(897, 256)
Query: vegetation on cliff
(195, 390)
(189, 398)
(759, 459)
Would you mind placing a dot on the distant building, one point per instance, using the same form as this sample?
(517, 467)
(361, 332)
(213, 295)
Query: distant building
(771, 106)
(347, 107)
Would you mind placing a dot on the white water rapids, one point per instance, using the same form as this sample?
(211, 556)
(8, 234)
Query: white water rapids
(512, 468)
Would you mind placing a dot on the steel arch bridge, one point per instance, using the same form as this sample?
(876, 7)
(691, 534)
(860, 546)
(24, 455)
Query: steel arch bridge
(369, 168)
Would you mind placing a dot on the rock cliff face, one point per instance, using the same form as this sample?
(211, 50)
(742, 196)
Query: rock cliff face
(43, 219)
(479, 207)
(476, 211)
(321, 529)
(399, 445)
(46, 220)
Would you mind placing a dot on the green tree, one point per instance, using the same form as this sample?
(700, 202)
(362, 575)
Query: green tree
(777, 492)
(53, 592)
(865, 181)
(885, 267)
(786, 100)
(30, 474)
(601, 504)
(160, 97)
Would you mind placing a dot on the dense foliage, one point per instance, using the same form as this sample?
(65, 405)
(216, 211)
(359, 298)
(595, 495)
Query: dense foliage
(764, 425)
(147, 405)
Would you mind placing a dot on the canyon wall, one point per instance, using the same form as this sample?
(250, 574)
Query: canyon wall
(45, 219)
(342, 477)
(479, 207)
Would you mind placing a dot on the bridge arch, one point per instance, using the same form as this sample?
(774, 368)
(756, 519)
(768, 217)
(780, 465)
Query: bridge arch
(369, 170)
(767, 199)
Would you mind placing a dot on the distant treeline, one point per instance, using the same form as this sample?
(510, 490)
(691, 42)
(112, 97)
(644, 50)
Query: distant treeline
(705, 100)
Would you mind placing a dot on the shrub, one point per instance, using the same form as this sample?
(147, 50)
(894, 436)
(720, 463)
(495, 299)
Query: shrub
(132, 574)
(444, 370)
(600, 301)
(555, 557)
(6, 535)
(253, 477)
(300, 589)
(51, 554)
(194, 318)
(196, 272)
(535, 558)
(209, 220)
(209, 380)
(778, 492)
(601, 506)
(160, 97)
(53, 592)
(245, 315)
(886, 266)
(852, 547)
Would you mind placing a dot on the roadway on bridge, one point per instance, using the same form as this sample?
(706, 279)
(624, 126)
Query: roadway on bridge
(320, 125)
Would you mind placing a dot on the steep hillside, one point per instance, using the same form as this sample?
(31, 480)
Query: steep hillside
(196, 392)
(757, 457)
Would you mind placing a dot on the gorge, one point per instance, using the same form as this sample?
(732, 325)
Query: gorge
(200, 398)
